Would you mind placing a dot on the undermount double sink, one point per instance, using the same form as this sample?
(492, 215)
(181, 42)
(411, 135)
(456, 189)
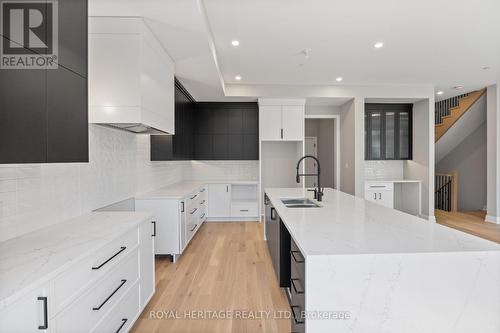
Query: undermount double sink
(299, 203)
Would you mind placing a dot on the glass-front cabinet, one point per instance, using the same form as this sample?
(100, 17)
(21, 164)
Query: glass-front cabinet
(388, 131)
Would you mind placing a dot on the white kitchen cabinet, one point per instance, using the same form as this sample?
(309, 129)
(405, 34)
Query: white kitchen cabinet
(177, 219)
(271, 123)
(293, 122)
(381, 193)
(28, 314)
(219, 200)
(147, 234)
(281, 122)
(131, 77)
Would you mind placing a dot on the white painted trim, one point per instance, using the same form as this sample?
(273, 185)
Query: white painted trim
(428, 218)
(282, 101)
(337, 142)
(492, 219)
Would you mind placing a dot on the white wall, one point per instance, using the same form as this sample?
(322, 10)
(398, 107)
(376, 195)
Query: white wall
(493, 153)
(347, 149)
(422, 165)
(33, 196)
(469, 159)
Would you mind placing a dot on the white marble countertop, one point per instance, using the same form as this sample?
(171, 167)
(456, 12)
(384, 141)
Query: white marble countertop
(393, 181)
(182, 189)
(346, 224)
(32, 259)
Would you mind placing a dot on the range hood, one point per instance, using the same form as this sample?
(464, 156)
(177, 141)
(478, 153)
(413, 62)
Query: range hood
(137, 128)
(131, 77)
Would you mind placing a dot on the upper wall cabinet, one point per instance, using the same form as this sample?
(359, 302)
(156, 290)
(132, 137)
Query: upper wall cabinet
(388, 131)
(44, 111)
(281, 120)
(131, 76)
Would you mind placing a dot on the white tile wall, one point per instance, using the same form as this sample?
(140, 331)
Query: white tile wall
(384, 170)
(224, 170)
(36, 195)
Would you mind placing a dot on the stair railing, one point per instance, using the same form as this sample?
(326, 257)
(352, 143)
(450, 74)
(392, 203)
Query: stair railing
(442, 108)
(445, 194)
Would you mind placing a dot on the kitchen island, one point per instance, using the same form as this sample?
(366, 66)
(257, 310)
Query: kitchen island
(369, 268)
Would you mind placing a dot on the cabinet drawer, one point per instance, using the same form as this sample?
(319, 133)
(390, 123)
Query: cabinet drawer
(244, 209)
(297, 322)
(77, 278)
(87, 310)
(120, 318)
(379, 186)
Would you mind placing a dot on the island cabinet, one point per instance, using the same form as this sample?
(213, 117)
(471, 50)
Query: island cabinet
(100, 284)
(297, 288)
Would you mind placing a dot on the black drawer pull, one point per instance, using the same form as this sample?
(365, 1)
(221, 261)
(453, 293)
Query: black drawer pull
(273, 213)
(243, 210)
(194, 196)
(107, 299)
(378, 186)
(202, 216)
(154, 229)
(202, 202)
(297, 291)
(295, 259)
(182, 206)
(110, 258)
(194, 227)
(45, 313)
(202, 190)
(124, 320)
(194, 210)
(295, 316)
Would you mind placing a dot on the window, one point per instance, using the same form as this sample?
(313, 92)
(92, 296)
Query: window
(388, 131)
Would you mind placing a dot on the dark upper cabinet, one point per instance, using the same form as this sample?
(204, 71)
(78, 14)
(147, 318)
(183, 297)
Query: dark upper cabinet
(73, 35)
(209, 131)
(67, 117)
(43, 112)
(23, 130)
(388, 131)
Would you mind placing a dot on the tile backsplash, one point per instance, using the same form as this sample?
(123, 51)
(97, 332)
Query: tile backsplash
(384, 170)
(33, 196)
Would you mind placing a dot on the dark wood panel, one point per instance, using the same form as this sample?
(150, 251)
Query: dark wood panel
(203, 146)
(161, 148)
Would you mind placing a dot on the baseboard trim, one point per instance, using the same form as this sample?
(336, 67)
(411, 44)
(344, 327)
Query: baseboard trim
(428, 218)
(232, 219)
(492, 219)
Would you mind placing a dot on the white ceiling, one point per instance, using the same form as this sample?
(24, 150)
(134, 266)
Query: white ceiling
(437, 42)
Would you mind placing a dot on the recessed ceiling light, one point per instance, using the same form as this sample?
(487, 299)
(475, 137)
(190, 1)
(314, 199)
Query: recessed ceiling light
(237, 78)
(235, 43)
(485, 67)
(378, 45)
(339, 79)
(458, 87)
(439, 92)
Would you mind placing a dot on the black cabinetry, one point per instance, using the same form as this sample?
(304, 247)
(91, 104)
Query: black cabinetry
(388, 131)
(209, 131)
(44, 112)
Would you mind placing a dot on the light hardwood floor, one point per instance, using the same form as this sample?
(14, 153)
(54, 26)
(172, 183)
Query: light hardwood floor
(226, 267)
(469, 222)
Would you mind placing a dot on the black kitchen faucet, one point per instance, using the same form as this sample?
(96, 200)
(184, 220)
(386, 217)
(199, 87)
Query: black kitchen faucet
(318, 193)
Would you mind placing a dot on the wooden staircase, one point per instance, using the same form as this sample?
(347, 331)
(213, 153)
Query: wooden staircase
(464, 104)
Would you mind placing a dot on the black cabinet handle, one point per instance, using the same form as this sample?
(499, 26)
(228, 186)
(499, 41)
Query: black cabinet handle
(379, 196)
(182, 206)
(299, 261)
(202, 216)
(110, 258)
(227, 188)
(154, 229)
(282, 133)
(202, 202)
(375, 196)
(194, 227)
(124, 320)
(194, 210)
(45, 313)
(297, 291)
(295, 316)
(266, 200)
(194, 196)
(202, 190)
(273, 213)
(243, 210)
(109, 297)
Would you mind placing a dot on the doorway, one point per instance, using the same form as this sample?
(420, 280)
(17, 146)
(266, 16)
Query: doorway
(321, 142)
